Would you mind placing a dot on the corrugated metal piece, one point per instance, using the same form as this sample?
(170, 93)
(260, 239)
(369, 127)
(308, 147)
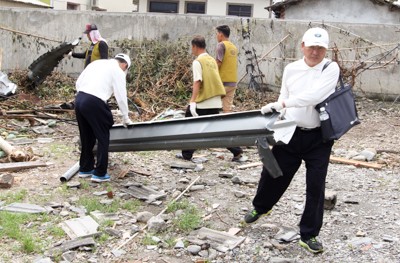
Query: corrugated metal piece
(222, 130)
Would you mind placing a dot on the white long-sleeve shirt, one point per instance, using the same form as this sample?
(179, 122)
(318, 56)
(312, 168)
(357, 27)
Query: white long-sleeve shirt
(303, 87)
(103, 78)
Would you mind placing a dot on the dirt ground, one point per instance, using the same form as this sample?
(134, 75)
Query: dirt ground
(363, 227)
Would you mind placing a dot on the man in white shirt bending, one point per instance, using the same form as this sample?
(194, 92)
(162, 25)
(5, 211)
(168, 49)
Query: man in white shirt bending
(96, 84)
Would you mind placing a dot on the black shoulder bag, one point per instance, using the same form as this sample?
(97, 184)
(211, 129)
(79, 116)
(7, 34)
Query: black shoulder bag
(338, 113)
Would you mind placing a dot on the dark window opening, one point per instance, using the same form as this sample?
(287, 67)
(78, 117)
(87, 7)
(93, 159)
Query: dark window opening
(239, 10)
(195, 8)
(72, 6)
(163, 7)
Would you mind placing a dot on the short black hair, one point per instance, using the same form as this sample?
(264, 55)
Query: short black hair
(199, 41)
(224, 29)
(121, 60)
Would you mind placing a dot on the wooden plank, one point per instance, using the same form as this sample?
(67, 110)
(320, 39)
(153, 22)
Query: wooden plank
(245, 166)
(355, 163)
(332, 159)
(7, 167)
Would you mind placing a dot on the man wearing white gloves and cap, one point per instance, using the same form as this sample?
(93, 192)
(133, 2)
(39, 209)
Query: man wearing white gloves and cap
(96, 84)
(304, 85)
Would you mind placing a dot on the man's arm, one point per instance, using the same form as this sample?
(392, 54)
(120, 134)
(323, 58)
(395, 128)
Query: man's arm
(103, 49)
(220, 54)
(195, 90)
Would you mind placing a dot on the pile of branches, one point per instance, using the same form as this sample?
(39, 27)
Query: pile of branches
(160, 76)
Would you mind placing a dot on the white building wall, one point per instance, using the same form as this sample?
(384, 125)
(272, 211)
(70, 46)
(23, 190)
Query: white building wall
(117, 6)
(220, 7)
(217, 7)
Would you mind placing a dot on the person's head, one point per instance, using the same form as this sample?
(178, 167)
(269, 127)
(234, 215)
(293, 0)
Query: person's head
(89, 28)
(223, 32)
(314, 45)
(198, 45)
(124, 61)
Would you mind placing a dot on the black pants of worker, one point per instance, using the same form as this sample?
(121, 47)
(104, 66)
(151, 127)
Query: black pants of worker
(188, 154)
(307, 146)
(94, 120)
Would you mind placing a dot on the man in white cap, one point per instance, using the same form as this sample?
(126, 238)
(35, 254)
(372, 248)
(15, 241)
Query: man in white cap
(305, 83)
(96, 84)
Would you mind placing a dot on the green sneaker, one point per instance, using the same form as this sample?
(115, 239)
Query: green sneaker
(311, 245)
(253, 216)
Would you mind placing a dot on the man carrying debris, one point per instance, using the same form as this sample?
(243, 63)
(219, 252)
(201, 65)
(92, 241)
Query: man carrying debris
(95, 86)
(207, 90)
(304, 85)
(98, 48)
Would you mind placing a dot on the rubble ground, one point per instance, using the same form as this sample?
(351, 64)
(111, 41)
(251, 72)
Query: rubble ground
(364, 225)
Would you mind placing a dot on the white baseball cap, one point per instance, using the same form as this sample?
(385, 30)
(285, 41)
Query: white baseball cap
(316, 36)
(124, 57)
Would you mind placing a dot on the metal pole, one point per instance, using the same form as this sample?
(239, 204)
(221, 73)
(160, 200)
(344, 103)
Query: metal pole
(70, 173)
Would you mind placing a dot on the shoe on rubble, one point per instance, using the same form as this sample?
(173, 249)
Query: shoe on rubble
(100, 179)
(311, 245)
(85, 174)
(239, 158)
(180, 156)
(253, 216)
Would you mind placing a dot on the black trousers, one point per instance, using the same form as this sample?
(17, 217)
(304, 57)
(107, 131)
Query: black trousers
(94, 120)
(188, 154)
(307, 146)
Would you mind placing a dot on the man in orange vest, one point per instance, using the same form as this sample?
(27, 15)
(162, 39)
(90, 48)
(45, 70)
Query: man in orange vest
(226, 57)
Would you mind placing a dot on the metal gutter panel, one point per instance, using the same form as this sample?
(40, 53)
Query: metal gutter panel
(221, 130)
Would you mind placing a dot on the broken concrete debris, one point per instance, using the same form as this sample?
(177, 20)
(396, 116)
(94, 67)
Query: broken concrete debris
(71, 244)
(219, 240)
(6, 180)
(25, 208)
(80, 227)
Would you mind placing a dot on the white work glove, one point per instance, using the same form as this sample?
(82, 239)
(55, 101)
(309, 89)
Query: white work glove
(127, 122)
(192, 107)
(69, 55)
(277, 106)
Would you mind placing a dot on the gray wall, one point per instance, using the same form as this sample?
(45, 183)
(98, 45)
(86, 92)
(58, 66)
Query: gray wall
(260, 37)
(359, 11)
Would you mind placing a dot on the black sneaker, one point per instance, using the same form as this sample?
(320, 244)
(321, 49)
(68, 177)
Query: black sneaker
(311, 245)
(253, 216)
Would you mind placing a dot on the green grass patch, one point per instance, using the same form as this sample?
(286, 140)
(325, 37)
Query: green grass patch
(148, 240)
(175, 206)
(131, 205)
(190, 217)
(93, 203)
(13, 197)
(13, 227)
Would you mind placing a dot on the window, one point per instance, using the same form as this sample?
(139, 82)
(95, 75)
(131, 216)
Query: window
(163, 7)
(73, 6)
(239, 10)
(195, 8)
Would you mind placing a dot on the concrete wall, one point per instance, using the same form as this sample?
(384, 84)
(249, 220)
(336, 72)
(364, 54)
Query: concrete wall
(354, 11)
(255, 38)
